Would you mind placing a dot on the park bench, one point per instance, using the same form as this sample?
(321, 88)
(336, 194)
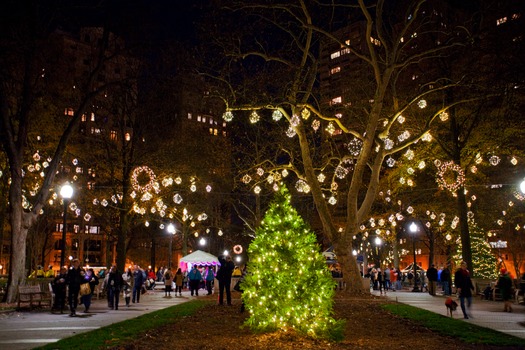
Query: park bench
(34, 296)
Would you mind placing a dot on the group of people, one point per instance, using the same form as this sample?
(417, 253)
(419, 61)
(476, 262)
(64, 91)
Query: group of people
(386, 279)
(40, 273)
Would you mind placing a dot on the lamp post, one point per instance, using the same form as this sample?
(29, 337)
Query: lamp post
(378, 243)
(66, 192)
(522, 186)
(171, 231)
(414, 229)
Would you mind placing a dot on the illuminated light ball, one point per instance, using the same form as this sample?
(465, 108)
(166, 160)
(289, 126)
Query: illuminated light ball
(443, 116)
(290, 132)
(208, 188)
(295, 120)
(284, 173)
(257, 190)
(246, 179)
(401, 119)
(321, 177)
(305, 113)
(389, 144)
(500, 222)
(422, 165)
(341, 172)
(437, 163)
(237, 249)
(104, 203)
(402, 180)
(334, 186)
(162, 226)
(146, 224)
(422, 104)
(514, 161)
(260, 171)
(410, 171)
(478, 159)
(178, 180)
(409, 154)
(330, 128)
(390, 162)
(411, 183)
(354, 146)
(448, 237)
(193, 188)
(177, 198)
(332, 200)
(254, 117)
(316, 124)
(227, 116)
(277, 115)
(75, 161)
(410, 210)
(270, 179)
(87, 217)
(427, 137)
(494, 160)
(275, 187)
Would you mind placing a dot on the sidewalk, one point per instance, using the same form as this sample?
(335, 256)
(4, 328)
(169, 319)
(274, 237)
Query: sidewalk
(488, 314)
(26, 330)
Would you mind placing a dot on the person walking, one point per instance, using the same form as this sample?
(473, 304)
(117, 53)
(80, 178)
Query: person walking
(195, 278)
(505, 287)
(92, 279)
(387, 277)
(168, 279)
(127, 285)
(432, 275)
(60, 288)
(224, 276)
(115, 283)
(446, 281)
(464, 288)
(179, 280)
(75, 276)
(138, 281)
(209, 277)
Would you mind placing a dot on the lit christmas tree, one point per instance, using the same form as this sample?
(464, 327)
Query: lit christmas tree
(288, 285)
(484, 261)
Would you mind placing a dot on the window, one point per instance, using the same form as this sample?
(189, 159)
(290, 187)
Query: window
(84, 117)
(335, 70)
(204, 119)
(92, 117)
(127, 136)
(70, 112)
(336, 100)
(189, 115)
(347, 42)
(199, 118)
(375, 41)
(501, 20)
(345, 51)
(113, 135)
(516, 16)
(94, 230)
(215, 132)
(334, 55)
(91, 185)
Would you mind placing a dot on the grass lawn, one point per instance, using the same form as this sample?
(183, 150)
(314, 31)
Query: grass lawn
(458, 329)
(127, 330)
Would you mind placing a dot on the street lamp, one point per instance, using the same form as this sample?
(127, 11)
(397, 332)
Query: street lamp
(413, 228)
(378, 243)
(66, 192)
(171, 231)
(522, 186)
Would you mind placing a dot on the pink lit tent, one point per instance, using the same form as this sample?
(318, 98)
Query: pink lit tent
(198, 257)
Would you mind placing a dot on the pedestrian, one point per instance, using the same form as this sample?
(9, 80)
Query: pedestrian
(446, 281)
(209, 277)
(179, 280)
(160, 274)
(38, 272)
(127, 285)
(224, 276)
(195, 278)
(464, 288)
(91, 278)
(115, 283)
(168, 279)
(387, 276)
(432, 275)
(75, 276)
(49, 273)
(60, 288)
(138, 281)
(505, 288)
(381, 281)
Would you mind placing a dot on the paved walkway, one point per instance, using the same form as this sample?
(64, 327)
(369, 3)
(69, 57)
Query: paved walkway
(485, 313)
(27, 330)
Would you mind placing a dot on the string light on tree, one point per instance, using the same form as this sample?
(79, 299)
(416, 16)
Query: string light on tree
(142, 179)
(254, 117)
(277, 115)
(227, 116)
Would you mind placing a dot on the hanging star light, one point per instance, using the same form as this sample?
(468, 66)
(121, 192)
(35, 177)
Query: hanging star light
(341, 172)
(332, 200)
(257, 190)
(389, 144)
(330, 128)
(305, 113)
(316, 124)
(177, 198)
(390, 162)
(422, 104)
(513, 161)
(290, 132)
(227, 116)
(401, 119)
(321, 177)
(295, 120)
(354, 146)
(443, 116)
(254, 117)
(277, 115)
(260, 171)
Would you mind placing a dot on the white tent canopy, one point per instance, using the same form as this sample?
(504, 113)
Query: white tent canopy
(198, 257)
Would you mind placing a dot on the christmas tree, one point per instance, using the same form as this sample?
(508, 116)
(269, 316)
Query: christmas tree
(483, 260)
(288, 285)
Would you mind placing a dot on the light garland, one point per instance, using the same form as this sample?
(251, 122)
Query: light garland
(448, 167)
(142, 170)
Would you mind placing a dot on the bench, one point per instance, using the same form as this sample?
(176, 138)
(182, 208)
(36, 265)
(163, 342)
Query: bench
(34, 296)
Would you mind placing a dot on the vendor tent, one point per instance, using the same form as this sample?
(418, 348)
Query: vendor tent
(198, 257)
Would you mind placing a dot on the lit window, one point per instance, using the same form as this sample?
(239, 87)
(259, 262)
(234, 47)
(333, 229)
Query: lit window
(198, 118)
(128, 136)
(204, 119)
(79, 170)
(224, 133)
(69, 111)
(402, 40)
(224, 124)
(97, 131)
(211, 131)
(83, 117)
(501, 21)
(336, 100)
(345, 51)
(335, 70)
(375, 41)
(335, 55)
(92, 117)
(189, 115)
(113, 135)
(215, 132)
(91, 185)
(347, 42)
(211, 121)
(516, 16)
(339, 115)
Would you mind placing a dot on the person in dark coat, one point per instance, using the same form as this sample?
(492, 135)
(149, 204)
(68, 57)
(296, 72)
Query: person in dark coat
(432, 275)
(115, 283)
(224, 276)
(75, 276)
(505, 287)
(138, 280)
(60, 288)
(446, 281)
(464, 287)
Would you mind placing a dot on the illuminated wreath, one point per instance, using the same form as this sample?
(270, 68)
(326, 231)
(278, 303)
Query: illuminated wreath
(142, 179)
(237, 249)
(450, 171)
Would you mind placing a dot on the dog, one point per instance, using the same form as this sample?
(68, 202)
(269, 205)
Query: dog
(451, 306)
